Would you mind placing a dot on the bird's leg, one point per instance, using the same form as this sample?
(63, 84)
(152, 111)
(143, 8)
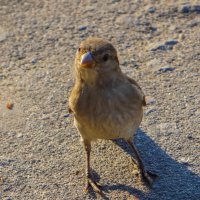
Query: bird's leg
(89, 176)
(146, 175)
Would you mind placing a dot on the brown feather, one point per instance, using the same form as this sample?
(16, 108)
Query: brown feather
(136, 84)
(106, 103)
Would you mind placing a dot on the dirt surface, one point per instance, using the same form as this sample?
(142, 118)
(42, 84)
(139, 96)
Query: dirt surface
(158, 44)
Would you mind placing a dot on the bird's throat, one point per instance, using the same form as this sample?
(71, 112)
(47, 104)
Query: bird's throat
(89, 76)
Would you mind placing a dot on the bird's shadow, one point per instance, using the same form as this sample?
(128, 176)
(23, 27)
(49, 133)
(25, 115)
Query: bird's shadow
(175, 181)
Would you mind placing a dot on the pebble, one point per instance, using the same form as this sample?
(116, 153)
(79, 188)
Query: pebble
(150, 111)
(171, 42)
(189, 136)
(185, 9)
(181, 36)
(168, 45)
(151, 10)
(34, 61)
(66, 115)
(151, 101)
(195, 8)
(184, 160)
(7, 189)
(159, 47)
(166, 69)
(82, 28)
(19, 135)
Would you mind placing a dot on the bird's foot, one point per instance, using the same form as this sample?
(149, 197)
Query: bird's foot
(95, 186)
(149, 177)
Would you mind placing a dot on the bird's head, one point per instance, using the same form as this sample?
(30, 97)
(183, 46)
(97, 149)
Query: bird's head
(96, 59)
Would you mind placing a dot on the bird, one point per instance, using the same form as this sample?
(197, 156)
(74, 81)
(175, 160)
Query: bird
(106, 103)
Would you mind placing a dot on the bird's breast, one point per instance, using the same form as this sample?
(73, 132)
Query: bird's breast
(108, 113)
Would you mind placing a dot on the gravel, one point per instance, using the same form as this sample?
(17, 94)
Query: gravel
(41, 154)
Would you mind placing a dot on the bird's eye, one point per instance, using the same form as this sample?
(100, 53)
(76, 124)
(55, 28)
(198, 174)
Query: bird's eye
(79, 49)
(105, 57)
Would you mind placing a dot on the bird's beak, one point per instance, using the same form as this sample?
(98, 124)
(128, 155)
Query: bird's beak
(87, 60)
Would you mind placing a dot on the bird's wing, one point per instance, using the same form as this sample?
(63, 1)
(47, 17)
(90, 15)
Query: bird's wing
(132, 81)
(69, 106)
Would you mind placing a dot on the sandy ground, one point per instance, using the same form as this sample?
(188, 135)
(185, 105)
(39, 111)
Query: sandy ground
(158, 44)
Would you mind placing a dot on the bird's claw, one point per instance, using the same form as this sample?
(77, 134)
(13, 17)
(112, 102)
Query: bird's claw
(149, 177)
(95, 186)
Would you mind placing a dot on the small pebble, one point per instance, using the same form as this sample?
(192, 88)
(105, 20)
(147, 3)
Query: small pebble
(77, 172)
(66, 115)
(151, 10)
(19, 135)
(185, 9)
(159, 47)
(34, 60)
(82, 28)
(189, 136)
(149, 111)
(7, 189)
(166, 69)
(171, 42)
(151, 101)
(196, 8)
(168, 45)
(184, 160)
(181, 36)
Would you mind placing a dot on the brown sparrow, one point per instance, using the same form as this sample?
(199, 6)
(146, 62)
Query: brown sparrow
(105, 102)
